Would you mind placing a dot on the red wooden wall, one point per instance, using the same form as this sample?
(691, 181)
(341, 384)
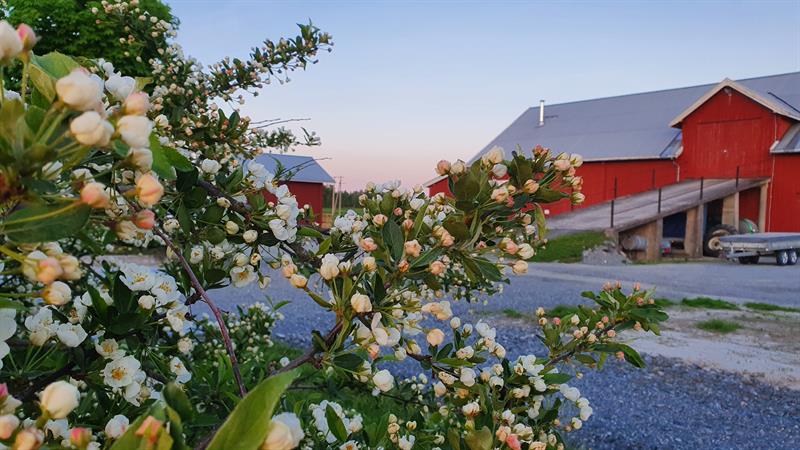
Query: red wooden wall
(306, 194)
(783, 207)
(748, 204)
(727, 131)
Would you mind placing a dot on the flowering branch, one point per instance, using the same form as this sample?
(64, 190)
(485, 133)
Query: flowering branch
(214, 309)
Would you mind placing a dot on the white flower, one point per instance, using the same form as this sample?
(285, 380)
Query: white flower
(493, 156)
(499, 170)
(329, 269)
(120, 372)
(177, 318)
(467, 376)
(41, 326)
(406, 442)
(10, 42)
(360, 303)
(471, 409)
(185, 345)
(91, 129)
(485, 330)
(109, 349)
(135, 130)
(196, 254)
(8, 326)
(79, 90)
(119, 86)
(210, 166)
(137, 278)
(59, 399)
(165, 289)
(465, 352)
(570, 393)
(439, 388)
(383, 380)
(182, 375)
(70, 334)
(117, 426)
(242, 276)
(285, 433)
(525, 251)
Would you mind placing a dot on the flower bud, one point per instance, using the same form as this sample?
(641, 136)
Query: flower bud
(383, 380)
(27, 36)
(250, 236)
(298, 281)
(458, 167)
(369, 264)
(379, 220)
(360, 303)
(57, 293)
(520, 267)
(149, 189)
(443, 167)
(91, 129)
(135, 130)
(137, 104)
(80, 437)
(28, 439)
(59, 399)
(145, 219)
(435, 337)
(94, 194)
(231, 227)
(437, 268)
(8, 425)
(412, 248)
(141, 157)
(530, 187)
(10, 42)
(79, 91)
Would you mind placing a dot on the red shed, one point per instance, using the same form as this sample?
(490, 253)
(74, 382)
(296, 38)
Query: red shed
(634, 143)
(307, 177)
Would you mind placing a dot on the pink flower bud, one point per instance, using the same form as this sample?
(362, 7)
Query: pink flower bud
(149, 189)
(437, 268)
(80, 437)
(398, 211)
(556, 321)
(513, 442)
(3, 390)
(145, 219)
(48, 270)
(27, 36)
(149, 429)
(368, 245)
(137, 104)
(408, 224)
(443, 167)
(94, 194)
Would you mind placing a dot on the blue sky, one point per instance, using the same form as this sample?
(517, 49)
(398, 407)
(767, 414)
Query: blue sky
(409, 83)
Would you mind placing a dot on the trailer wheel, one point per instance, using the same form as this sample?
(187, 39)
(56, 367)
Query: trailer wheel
(792, 257)
(782, 257)
(711, 244)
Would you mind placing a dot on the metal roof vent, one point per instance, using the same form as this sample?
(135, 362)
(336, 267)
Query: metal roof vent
(541, 112)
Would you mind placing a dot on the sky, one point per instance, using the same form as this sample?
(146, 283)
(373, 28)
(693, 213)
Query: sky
(411, 82)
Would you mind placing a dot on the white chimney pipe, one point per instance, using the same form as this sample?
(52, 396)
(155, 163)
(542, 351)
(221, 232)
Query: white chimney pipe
(541, 112)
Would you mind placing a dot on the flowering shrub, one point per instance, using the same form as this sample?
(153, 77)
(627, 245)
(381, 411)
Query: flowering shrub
(102, 351)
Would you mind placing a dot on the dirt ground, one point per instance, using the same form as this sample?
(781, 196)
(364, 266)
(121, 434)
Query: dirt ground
(766, 348)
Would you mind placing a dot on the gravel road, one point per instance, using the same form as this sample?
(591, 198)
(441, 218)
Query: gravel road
(667, 405)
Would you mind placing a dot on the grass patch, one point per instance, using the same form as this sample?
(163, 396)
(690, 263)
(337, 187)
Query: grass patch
(718, 326)
(757, 306)
(663, 302)
(513, 313)
(569, 248)
(708, 303)
(562, 311)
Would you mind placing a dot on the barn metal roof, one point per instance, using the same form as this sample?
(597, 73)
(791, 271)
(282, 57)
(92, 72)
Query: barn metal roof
(307, 168)
(633, 126)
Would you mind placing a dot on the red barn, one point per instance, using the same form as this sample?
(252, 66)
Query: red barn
(748, 129)
(306, 177)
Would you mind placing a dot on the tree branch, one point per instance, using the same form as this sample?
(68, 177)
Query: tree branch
(312, 352)
(214, 309)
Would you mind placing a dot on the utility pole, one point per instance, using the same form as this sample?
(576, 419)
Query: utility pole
(336, 201)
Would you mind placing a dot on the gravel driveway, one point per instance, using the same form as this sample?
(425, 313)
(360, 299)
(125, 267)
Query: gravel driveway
(667, 405)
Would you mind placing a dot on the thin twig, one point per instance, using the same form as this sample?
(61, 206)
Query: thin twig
(312, 352)
(214, 309)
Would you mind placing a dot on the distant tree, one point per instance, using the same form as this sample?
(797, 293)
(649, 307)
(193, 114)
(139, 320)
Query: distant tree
(83, 29)
(349, 199)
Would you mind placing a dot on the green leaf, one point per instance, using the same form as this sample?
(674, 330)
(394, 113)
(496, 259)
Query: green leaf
(11, 304)
(44, 223)
(54, 64)
(335, 424)
(161, 162)
(556, 378)
(479, 439)
(393, 238)
(177, 399)
(349, 361)
(247, 426)
(43, 82)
